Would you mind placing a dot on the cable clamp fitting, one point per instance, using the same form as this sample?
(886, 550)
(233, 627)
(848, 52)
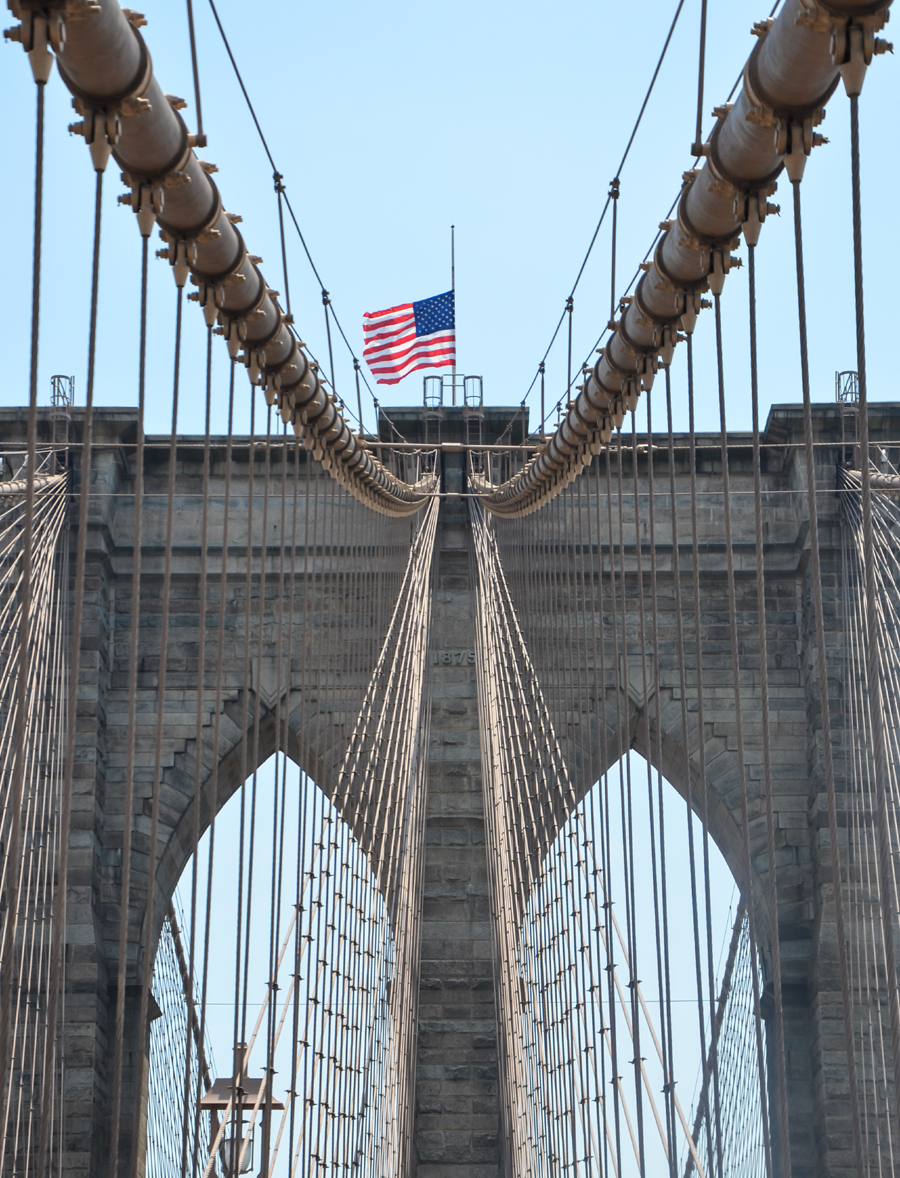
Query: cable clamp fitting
(718, 271)
(690, 309)
(181, 255)
(795, 141)
(853, 45)
(101, 130)
(647, 369)
(38, 35)
(752, 209)
(147, 201)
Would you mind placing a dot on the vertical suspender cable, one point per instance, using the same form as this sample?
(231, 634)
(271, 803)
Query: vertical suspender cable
(242, 967)
(134, 635)
(873, 663)
(627, 816)
(660, 905)
(569, 308)
(818, 608)
(697, 147)
(279, 188)
(359, 412)
(145, 944)
(59, 923)
(739, 741)
(266, 1109)
(614, 197)
(209, 784)
(768, 786)
(201, 138)
(701, 766)
(541, 369)
(198, 767)
(326, 303)
(236, 1033)
(618, 753)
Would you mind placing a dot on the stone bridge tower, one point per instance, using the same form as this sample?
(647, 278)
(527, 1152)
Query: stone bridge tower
(457, 1113)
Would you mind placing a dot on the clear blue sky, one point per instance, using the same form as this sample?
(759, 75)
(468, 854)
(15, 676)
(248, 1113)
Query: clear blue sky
(389, 124)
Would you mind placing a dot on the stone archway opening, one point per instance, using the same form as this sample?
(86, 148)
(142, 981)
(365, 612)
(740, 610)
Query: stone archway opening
(635, 958)
(285, 1022)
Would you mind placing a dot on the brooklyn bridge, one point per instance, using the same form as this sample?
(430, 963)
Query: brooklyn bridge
(488, 792)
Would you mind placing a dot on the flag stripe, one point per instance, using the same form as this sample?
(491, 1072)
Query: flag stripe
(439, 341)
(392, 363)
(414, 362)
(397, 377)
(372, 326)
(388, 313)
(376, 351)
(377, 339)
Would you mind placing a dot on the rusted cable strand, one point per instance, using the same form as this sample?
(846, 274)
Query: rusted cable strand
(788, 78)
(104, 61)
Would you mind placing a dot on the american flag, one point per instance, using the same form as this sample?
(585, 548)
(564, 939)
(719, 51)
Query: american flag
(414, 335)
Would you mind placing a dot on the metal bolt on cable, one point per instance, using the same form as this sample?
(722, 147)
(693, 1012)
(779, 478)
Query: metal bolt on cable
(39, 36)
(852, 49)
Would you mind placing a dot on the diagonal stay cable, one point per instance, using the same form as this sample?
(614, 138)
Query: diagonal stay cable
(283, 193)
(776, 5)
(596, 232)
(605, 209)
(630, 143)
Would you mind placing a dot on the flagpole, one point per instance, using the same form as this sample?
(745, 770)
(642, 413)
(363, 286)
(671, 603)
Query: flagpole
(453, 288)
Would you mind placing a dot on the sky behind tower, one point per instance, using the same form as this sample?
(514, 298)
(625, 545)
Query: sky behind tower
(389, 125)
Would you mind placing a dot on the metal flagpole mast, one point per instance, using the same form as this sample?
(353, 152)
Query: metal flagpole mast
(453, 289)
